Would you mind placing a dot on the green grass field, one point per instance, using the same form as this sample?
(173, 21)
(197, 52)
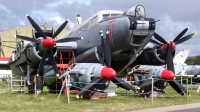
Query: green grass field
(47, 102)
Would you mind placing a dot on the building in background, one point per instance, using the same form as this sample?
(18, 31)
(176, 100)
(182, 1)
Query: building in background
(8, 41)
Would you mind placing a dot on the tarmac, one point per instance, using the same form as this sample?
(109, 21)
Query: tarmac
(192, 107)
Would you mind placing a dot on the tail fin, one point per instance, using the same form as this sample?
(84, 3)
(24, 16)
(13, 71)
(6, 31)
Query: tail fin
(180, 58)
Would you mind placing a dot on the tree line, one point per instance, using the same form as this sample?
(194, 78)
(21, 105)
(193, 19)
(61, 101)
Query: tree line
(193, 60)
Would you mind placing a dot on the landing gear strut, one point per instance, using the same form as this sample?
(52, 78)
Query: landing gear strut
(35, 81)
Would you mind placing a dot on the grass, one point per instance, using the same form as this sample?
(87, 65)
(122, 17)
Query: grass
(47, 102)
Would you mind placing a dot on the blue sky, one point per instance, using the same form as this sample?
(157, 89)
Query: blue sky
(174, 15)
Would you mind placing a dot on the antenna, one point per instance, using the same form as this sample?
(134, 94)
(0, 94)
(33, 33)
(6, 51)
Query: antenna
(43, 25)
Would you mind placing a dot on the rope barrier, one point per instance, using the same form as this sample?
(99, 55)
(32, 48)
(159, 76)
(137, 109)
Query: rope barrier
(110, 84)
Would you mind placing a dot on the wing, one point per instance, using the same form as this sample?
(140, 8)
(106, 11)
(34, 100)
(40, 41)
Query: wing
(4, 63)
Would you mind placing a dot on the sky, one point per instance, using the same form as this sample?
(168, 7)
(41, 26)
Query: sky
(174, 15)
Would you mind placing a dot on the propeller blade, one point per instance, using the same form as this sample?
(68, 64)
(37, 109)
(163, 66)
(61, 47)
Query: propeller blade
(181, 34)
(89, 87)
(185, 38)
(26, 38)
(178, 87)
(2, 51)
(155, 42)
(147, 85)
(196, 72)
(41, 65)
(129, 63)
(172, 67)
(103, 48)
(36, 27)
(68, 39)
(169, 60)
(121, 83)
(196, 75)
(159, 38)
(53, 63)
(107, 51)
(60, 29)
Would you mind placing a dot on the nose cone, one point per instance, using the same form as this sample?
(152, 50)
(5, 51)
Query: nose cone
(167, 75)
(108, 73)
(48, 43)
(165, 46)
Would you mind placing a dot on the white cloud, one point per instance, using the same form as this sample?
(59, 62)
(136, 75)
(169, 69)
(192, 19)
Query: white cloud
(59, 2)
(58, 20)
(170, 28)
(71, 25)
(194, 49)
(4, 8)
(55, 4)
(22, 23)
(44, 14)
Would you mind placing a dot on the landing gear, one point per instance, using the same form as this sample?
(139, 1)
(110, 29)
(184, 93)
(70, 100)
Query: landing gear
(35, 81)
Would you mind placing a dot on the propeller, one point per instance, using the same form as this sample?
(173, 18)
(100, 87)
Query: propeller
(195, 75)
(86, 90)
(146, 86)
(98, 83)
(107, 73)
(170, 46)
(48, 43)
(170, 66)
(106, 48)
(177, 40)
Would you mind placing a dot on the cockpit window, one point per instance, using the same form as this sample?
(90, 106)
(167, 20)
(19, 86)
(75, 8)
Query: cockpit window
(137, 11)
(110, 15)
(105, 15)
(93, 22)
(140, 12)
(115, 14)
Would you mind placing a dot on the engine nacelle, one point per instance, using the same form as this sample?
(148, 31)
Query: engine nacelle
(81, 74)
(35, 52)
(150, 71)
(67, 46)
(85, 72)
(151, 56)
(143, 72)
(27, 52)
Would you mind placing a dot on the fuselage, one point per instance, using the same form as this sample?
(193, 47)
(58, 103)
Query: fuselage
(128, 35)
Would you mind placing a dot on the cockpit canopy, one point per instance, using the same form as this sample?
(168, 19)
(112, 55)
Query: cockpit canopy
(108, 13)
(137, 11)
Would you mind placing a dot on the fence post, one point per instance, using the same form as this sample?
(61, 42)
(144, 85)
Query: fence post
(34, 79)
(67, 87)
(187, 89)
(152, 92)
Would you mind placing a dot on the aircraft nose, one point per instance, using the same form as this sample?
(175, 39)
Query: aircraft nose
(108, 74)
(136, 24)
(167, 75)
